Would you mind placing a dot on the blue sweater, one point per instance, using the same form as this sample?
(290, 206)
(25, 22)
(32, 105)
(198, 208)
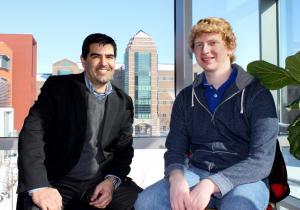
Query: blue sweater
(235, 143)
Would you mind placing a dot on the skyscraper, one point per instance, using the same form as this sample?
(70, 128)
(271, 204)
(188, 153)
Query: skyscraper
(141, 83)
(118, 79)
(166, 96)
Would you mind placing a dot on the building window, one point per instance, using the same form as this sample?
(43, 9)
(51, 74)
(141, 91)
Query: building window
(4, 93)
(4, 62)
(143, 130)
(142, 84)
(64, 72)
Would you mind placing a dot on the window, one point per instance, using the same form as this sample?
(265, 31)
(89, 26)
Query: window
(143, 50)
(153, 28)
(289, 44)
(4, 93)
(64, 72)
(4, 62)
(244, 19)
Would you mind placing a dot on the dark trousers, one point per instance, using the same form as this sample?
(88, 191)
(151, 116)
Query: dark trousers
(76, 195)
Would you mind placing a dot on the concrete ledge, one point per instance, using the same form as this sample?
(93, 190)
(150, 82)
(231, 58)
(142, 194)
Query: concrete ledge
(8, 143)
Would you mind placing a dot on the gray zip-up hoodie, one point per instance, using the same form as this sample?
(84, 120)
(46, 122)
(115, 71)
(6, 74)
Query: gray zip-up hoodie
(236, 143)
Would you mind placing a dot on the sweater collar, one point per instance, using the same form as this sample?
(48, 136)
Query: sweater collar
(243, 79)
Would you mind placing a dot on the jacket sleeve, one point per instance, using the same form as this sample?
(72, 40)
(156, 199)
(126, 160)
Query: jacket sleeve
(263, 134)
(177, 140)
(32, 171)
(122, 148)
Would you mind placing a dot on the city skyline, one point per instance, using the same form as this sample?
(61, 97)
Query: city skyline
(59, 27)
(138, 77)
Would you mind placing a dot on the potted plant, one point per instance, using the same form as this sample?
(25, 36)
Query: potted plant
(274, 78)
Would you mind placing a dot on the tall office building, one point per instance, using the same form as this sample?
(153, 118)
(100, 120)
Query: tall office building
(141, 83)
(23, 69)
(166, 96)
(118, 79)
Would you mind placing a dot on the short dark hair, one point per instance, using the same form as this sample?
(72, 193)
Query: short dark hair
(97, 38)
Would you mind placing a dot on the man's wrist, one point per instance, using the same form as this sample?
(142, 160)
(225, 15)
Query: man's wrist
(116, 181)
(211, 186)
(175, 175)
(34, 190)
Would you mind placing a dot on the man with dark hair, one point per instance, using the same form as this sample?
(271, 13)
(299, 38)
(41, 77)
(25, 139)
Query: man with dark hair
(75, 148)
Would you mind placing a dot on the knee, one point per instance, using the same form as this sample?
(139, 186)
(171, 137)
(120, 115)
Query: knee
(241, 202)
(154, 197)
(143, 201)
(237, 201)
(152, 201)
(125, 196)
(256, 201)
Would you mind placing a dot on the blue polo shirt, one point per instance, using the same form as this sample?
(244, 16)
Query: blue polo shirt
(212, 96)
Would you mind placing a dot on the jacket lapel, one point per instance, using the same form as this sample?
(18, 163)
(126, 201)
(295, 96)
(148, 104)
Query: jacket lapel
(111, 111)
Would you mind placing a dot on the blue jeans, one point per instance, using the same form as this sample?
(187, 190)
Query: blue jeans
(253, 196)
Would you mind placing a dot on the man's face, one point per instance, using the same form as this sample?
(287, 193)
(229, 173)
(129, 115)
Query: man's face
(99, 64)
(211, 52)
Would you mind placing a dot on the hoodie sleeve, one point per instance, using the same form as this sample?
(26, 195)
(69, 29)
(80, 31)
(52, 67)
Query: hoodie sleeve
(177, 140)
(264, 129)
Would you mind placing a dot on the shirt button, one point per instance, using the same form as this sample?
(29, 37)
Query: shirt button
(210, 87)
(215, 95)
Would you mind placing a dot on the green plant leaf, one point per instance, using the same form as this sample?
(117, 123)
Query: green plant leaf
(274, 77)
(294, 105)
(294, 137)
(292, 65)
(271, 76)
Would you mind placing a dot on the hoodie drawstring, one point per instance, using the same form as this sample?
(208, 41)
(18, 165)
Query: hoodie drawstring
(242, 99)
(242, 102)
(193, 92)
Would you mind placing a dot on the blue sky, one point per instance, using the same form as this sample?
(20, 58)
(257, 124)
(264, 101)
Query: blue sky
(59, 26)
(243, 17)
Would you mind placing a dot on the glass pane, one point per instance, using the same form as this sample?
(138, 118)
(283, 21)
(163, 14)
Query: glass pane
(145, 42)
(51, 35)
(289, 44)
(244, 19)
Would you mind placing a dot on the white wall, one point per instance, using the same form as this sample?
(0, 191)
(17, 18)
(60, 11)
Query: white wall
(147, 166)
